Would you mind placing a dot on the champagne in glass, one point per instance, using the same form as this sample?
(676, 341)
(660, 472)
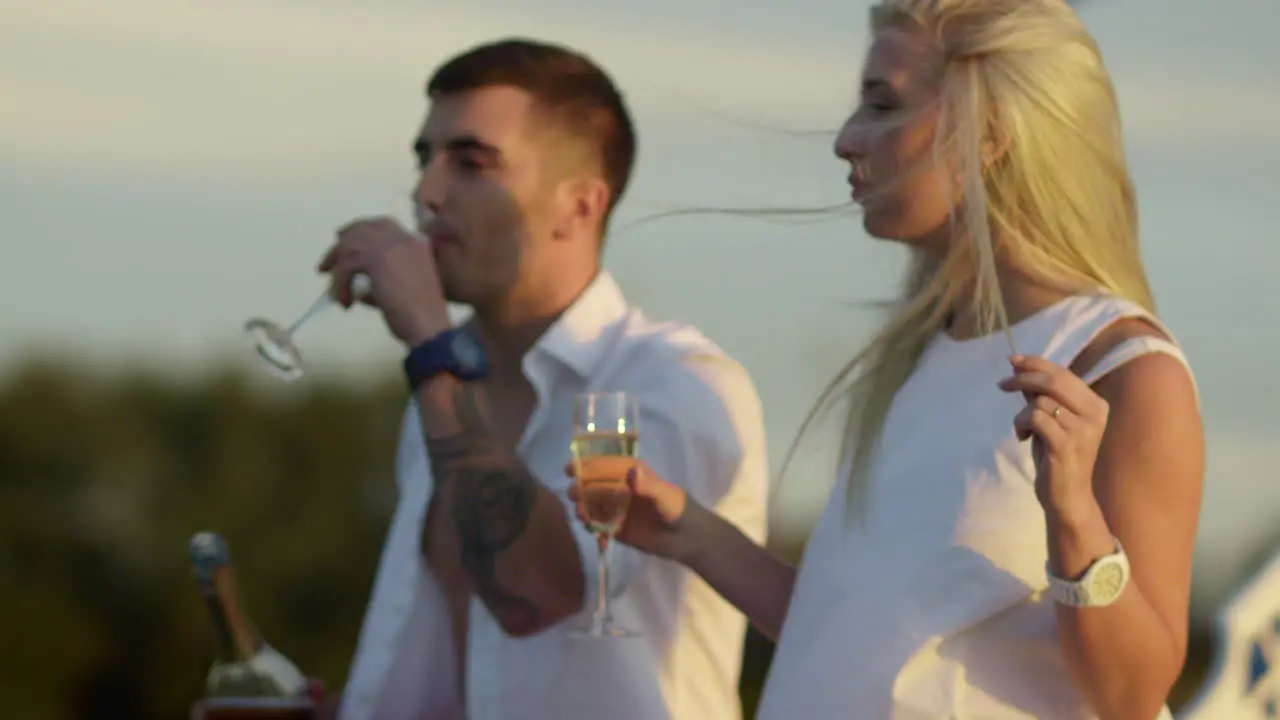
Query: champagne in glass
(249, 678)
(601, 457)
(604, 447)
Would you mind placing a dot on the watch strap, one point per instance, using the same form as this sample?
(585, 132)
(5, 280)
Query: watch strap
(1078, 593)
(440, 355)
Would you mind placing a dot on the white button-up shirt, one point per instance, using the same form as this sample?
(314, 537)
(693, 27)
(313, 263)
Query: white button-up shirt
(700, 426)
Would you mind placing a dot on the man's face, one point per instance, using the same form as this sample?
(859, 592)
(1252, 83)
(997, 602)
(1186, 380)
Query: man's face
(483, 176)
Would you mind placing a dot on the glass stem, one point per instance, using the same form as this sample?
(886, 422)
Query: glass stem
(602, 582)
(321, 303)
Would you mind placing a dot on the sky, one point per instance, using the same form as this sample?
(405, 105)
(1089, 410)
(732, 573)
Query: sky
(169, 168)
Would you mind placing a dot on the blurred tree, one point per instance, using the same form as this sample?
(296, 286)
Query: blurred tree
(102, 480)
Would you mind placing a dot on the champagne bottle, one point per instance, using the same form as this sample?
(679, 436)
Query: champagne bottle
(245, 665)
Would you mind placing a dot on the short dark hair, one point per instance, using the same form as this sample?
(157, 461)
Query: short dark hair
(575, 92)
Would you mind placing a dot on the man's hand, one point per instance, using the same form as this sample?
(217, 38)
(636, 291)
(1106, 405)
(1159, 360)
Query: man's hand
(406, 287)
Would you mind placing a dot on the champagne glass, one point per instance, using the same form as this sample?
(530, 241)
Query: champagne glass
(275, 343)
(604, 451)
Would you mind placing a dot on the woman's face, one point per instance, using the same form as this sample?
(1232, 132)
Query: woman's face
(905, 192)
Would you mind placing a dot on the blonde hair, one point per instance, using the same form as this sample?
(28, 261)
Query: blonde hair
(1026, 77)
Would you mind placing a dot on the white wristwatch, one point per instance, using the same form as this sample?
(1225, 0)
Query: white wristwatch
(1100, 585)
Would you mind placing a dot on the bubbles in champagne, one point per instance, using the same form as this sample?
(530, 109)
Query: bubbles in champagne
(604, 444)
(603, 460)
(604, 504)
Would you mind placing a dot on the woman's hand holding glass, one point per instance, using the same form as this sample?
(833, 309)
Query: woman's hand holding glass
(657, 519)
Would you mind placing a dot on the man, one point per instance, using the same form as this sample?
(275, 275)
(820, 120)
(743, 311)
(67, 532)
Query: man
(524, 153)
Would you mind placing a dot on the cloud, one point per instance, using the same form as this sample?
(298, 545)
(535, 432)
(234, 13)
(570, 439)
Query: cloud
(271, 90)
(262, 87)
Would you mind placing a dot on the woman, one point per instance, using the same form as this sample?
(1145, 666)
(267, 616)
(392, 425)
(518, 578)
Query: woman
(1011, 535)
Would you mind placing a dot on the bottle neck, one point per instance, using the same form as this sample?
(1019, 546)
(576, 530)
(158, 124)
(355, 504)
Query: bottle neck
(226, 644)
(237, 639)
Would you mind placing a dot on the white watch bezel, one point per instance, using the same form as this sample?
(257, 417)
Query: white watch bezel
(1098, 587)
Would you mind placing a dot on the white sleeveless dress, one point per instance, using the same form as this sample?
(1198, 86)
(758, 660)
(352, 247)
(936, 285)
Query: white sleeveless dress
(935, 606)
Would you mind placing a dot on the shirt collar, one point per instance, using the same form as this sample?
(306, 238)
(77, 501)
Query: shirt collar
(575, 337)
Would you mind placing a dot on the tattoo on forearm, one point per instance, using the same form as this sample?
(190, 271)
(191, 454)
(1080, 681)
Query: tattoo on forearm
(492, 499)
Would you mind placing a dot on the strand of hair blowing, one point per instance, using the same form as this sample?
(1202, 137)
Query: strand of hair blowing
(1030, 115)
(1030, 119)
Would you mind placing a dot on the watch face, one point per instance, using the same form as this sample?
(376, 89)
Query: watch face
(1107, 582)
(466, 350)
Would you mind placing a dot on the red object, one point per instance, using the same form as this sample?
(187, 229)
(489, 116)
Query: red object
(316, 691)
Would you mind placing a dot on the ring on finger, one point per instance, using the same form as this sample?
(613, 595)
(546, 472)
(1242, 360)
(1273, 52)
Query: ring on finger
(1048, 406)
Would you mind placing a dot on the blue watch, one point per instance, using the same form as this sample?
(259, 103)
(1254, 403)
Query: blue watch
(454, 352)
